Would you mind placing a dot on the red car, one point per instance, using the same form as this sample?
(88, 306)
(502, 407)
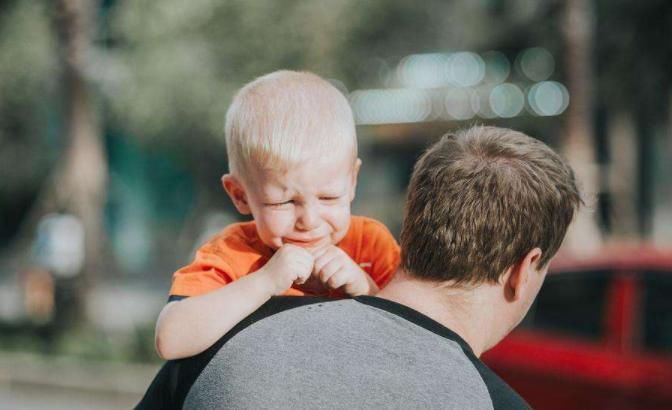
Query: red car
(599, 335)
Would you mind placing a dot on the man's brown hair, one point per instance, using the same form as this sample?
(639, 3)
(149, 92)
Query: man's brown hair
(479, 200)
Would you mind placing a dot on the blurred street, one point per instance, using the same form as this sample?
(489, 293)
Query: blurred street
(38, 382)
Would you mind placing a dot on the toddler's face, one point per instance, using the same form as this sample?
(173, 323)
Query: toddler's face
(307, 206)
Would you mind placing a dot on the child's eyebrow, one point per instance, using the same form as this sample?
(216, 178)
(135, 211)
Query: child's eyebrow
(276, 191)
(336, 186)
(276, 198)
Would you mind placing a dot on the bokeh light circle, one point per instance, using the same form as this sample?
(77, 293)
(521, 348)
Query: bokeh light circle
(465, 69)
(460, 103)
(497, 67)
(548, 98)
(423, 71)
(390, 106)
(536, 63)
(507, 100)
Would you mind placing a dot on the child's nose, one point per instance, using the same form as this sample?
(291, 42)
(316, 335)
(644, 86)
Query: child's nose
(308, 218)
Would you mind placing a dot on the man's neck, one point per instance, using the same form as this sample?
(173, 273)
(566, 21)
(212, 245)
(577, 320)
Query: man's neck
(463, 310)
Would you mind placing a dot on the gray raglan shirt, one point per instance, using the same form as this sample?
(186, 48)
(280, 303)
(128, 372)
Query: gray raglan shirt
(310, 353)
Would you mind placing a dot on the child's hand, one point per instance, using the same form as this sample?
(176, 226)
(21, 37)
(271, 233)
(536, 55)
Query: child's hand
(336, 269)
(290, 264)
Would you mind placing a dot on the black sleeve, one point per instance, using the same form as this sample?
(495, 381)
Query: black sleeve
(502, 395)
(171, 385)
(161, 393)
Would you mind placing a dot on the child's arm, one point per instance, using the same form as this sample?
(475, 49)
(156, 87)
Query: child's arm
(336, 269)
(189, 326)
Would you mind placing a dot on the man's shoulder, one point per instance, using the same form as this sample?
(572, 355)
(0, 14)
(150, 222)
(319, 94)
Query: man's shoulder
(387, 353)
(273, 306)
(171, 385)
(278, 304)
(383, 353)
(502, 395)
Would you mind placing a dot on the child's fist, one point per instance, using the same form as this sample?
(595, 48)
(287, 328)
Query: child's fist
(336, 269)
(290, 264)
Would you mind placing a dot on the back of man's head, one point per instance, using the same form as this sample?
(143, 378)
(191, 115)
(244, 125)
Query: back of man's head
(479, 200)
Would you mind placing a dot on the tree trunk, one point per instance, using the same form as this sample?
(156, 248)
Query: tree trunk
(662, 216)
(623, 177)
(584, 235)
(79, 183)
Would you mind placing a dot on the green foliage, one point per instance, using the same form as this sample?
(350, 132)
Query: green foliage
(90, 344)
(82, 342)
(27, 85)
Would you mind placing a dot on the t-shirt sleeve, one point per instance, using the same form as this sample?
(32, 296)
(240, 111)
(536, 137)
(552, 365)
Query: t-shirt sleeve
(382, 250)
(208, 271)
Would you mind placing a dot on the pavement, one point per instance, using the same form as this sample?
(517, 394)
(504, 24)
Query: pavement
(29, 381)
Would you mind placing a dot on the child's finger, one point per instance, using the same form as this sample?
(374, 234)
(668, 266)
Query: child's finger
(322, 261)
(303, 275)
(300, 280)
(319, 252)
(329, 270)
(338, 279)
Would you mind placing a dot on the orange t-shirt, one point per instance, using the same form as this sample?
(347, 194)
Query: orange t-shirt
(237, 251)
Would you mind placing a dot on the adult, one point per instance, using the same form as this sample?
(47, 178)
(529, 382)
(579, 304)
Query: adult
(487, 209)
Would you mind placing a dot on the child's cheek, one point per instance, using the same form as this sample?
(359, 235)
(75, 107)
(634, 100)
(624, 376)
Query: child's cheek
(341, 217)
(279, 223)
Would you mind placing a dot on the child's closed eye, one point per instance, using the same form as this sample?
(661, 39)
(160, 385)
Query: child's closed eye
(330, 198)
(279, 204)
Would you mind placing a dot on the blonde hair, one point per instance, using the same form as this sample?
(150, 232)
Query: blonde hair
(284, 118)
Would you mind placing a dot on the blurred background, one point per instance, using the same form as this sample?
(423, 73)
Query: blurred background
(111, 150)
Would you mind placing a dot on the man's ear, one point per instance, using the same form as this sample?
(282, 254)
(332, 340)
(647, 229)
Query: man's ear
(517, 277)
(237, 193)
(355, 174)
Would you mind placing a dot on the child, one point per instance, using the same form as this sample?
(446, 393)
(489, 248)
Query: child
(293, 163)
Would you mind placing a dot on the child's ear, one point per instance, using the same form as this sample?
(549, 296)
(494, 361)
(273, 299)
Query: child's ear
(355, 174)
(237, 193)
